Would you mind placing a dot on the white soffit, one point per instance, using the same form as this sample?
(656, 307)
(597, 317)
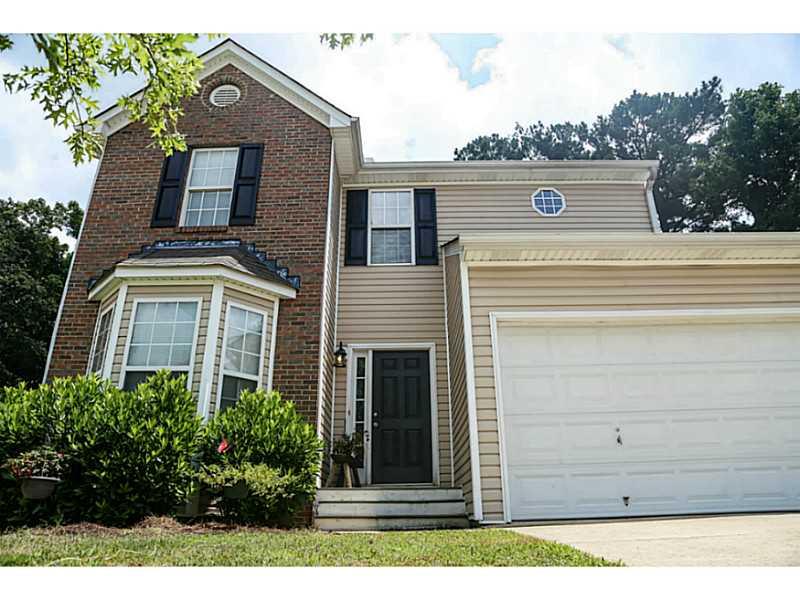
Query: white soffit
(534, 248)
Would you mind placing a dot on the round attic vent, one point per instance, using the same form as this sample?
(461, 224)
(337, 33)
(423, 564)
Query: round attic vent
(225, 95)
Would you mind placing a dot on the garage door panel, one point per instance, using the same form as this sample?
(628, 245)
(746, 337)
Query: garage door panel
(708, 417)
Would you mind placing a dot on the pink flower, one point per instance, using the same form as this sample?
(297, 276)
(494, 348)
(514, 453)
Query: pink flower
(223, 446)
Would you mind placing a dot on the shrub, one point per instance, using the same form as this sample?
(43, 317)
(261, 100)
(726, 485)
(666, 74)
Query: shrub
(263, 431)
(131, 452)
(271, 497)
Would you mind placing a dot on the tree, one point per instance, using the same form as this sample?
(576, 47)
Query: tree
(751, 178)
(75, 63)
(33, 269)
(344, 40)
(669, 127)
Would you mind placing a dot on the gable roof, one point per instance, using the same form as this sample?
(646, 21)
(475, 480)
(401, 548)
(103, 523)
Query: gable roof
(229, 52)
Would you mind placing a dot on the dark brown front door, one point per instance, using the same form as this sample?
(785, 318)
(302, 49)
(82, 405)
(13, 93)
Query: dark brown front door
(401, 418)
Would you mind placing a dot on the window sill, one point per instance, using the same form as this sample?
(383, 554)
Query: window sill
(203, 229)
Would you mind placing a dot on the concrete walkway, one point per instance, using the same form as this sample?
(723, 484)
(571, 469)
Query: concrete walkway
(716, 541)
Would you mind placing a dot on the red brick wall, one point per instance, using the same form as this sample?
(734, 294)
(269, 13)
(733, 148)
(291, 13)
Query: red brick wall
(290, 220)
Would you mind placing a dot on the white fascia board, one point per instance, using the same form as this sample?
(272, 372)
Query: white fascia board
(512, 248)
(145, 275)
(229, 52)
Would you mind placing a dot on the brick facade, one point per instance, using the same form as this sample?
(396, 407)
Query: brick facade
(290, 220)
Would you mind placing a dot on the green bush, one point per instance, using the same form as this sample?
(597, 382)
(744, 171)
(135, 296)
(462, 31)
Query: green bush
(270, 496)
(131, 452)
(266, 432)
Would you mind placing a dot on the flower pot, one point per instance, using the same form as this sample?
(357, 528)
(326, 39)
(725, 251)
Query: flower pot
(235, 492)
(343, 459)
(39, 488)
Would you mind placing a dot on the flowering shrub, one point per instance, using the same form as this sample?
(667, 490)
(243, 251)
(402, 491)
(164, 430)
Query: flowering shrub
(42, 462)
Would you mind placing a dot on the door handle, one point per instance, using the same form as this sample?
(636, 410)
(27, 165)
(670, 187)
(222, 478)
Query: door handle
(619, 437)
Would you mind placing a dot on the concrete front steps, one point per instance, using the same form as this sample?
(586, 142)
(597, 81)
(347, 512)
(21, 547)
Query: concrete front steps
(387, 508)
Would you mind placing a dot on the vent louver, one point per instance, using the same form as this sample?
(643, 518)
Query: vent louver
(225, 95)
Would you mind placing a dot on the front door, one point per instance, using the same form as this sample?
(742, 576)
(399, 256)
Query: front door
(401, 418)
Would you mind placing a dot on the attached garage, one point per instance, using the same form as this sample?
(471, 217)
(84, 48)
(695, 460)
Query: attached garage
(626, 374)
(650, 412)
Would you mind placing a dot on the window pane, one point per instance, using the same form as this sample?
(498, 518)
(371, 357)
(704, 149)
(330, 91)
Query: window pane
(180, 355)
(162, 333)
(101, 343)
(252, 343)
(238, 318)
(391, 209)
(145, 311)
(187, 311)
(137, 355)
(159, 356)
(232, 388)
(359, 411)
(165, 312)
(391, 246)
(361, 366)
(254, 321)
(250, 364)
(233, 360)
(184, 332)
(134, 378)
(359, 388)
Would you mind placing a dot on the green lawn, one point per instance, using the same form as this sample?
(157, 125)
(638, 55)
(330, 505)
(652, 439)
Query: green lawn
(186, 546)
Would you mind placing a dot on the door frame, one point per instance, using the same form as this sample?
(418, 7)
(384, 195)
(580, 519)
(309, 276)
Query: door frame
(631, 316)
(354, 350)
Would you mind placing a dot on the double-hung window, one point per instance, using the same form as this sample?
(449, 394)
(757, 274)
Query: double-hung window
(243, 359)
(164, 334)
(209, 187)
(391, 227)
(102, 331)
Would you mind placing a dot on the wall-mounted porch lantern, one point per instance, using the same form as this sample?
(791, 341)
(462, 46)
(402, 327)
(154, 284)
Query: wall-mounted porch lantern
(340, 357)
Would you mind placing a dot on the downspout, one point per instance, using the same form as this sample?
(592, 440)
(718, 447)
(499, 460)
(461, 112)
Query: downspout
(655, 221)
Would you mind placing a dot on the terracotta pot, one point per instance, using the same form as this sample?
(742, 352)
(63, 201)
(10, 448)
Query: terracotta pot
(39, 488)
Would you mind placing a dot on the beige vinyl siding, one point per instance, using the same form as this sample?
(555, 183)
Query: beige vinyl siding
(600, 288)
(248, 301)
(164, 291)
(606, 206)
(462, 469)
(328, 341)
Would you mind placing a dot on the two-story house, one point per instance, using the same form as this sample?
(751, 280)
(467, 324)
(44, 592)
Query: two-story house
(522, 341)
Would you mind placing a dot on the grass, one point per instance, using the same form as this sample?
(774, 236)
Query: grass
(181, 546)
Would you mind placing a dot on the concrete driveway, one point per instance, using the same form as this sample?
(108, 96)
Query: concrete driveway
(713, 541)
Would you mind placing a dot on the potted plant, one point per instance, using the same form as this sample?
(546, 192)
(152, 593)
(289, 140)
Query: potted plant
(39, 471)
(346, 449)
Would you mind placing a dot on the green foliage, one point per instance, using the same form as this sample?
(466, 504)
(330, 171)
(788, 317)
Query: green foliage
(751, 178)
(262, 428)
(130, 452)
(348, 445)
(344, 40)
(272, 496)
(42, 462)
(668, 127)
(75, 64)
(33, 268)
(266, 432)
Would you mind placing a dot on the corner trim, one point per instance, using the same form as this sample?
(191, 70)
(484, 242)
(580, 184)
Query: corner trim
(210, 349)
(472, 403)
(273, 343)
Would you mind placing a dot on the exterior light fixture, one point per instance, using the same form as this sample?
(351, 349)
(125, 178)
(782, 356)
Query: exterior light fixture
(340, 357)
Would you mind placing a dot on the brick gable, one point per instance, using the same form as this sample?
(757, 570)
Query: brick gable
(290, 220)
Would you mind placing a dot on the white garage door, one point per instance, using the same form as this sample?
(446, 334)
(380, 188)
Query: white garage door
(632, 419)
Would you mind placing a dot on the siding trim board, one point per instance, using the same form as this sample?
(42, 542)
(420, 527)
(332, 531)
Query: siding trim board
(472, 406)
(113, 336)
(210, 350)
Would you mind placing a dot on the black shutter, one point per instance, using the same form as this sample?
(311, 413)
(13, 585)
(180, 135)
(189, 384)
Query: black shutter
(165, 213)
(356, 221)
(245, 188)
(425, 227)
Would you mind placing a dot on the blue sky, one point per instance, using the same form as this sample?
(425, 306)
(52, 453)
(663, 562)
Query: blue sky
(419, 96)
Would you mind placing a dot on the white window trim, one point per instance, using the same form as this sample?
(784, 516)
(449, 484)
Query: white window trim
(259, 379)
(205, 188)
(365, 471)
(129, 336)
(370, 227)
(368, 349)
(549, 189)
(101, 313)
